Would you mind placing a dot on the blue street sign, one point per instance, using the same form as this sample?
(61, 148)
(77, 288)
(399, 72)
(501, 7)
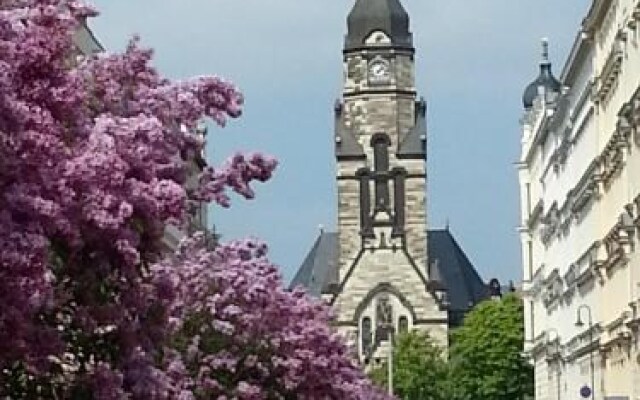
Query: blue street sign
(585, 392)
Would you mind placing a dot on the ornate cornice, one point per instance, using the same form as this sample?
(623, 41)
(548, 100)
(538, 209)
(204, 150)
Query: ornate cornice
(553, 288)
(613, 157)
(550, 224)
(632, 22)
(608, 78)
(601, 257)
(581, 344)
(534, 217)
(636, 207)
(600, 175)
(618, 334)
(596, 15)
(634, 115)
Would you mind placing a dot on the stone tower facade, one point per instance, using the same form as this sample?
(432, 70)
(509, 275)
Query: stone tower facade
(384, 280)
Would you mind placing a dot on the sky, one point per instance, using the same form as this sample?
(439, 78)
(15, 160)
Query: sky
(473, 60)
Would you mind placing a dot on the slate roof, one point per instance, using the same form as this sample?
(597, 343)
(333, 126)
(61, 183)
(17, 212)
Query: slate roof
(449, 265)
(370, 15)
(320, 268)
(458, 275)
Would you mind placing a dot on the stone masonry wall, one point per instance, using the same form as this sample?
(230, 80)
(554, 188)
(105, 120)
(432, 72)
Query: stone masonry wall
(386, 109)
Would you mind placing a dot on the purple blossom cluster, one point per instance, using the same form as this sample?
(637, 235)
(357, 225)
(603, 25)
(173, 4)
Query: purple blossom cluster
(242, 335)
(93, 165)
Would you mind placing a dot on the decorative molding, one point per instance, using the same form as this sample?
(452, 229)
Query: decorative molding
(550, 224)
(384, 287)
(615, 253)
(636, 205)
(368, 91)
(611, 69)
(535, 215)
(599, 175)
(634, 115)
(602, 256)
(635, 14)
(581, 344)
(571, 277)
(596, 15)
(613, 157)
(553, 288)
(619, 334)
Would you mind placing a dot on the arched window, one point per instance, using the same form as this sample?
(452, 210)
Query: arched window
(384, 311)
(384, 318)
(365, 337)
(380, 143)
(403, 324)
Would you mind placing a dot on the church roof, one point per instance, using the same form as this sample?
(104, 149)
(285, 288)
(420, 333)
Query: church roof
(450, 266)
(320, 267)
(414, 144)
(368, 16)
(460, 278)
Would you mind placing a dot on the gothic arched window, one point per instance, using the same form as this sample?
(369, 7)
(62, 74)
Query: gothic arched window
(366, 335)
(403, 324)
(380, 143)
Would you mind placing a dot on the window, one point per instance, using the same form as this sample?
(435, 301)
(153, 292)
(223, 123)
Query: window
(530, 259)
(380, 143)
(403, 325)
(528, 194)
(366, 335)
(384, 313)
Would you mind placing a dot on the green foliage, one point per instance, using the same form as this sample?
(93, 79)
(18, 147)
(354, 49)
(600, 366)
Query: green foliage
(486, 361)
(420, 369)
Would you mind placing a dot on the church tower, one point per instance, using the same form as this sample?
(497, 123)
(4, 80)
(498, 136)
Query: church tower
(383, 277)
(383, 271)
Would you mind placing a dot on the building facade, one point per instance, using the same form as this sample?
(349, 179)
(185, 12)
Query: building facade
(579, 175)
(383, 271)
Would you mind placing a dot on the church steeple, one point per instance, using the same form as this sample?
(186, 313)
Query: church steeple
(375, 271)
(368, 16)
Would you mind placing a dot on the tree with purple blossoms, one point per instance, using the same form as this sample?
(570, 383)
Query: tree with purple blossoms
(93, 159)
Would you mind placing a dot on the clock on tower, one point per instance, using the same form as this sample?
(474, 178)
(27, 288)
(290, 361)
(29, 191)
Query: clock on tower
(379, 72)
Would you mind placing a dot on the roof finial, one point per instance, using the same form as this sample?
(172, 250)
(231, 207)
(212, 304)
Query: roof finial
(447, 225)
(545, 50)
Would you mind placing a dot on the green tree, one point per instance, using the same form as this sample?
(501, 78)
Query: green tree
(485, 359)
(420, 369)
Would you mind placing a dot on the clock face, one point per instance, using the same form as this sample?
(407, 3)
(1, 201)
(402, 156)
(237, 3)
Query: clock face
(379, 71)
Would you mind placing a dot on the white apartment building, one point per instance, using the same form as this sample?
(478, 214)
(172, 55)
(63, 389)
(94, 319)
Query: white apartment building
(579, 175)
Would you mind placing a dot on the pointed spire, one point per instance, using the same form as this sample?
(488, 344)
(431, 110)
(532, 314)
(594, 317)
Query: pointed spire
(545, 51)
